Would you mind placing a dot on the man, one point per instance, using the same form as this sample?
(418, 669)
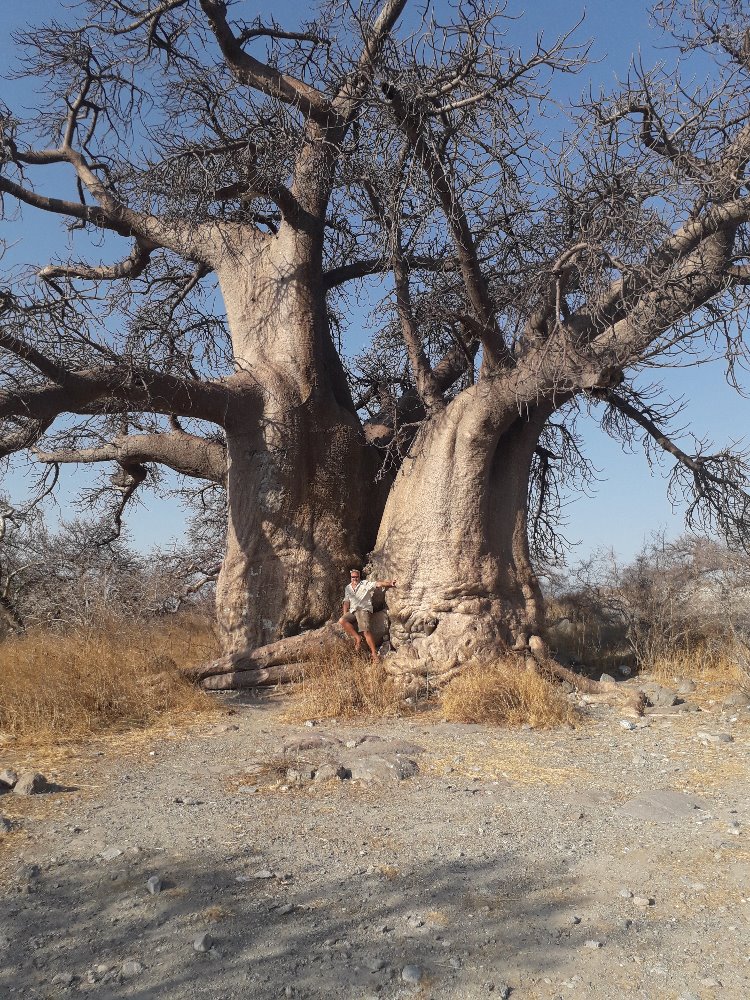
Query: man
(358, 609)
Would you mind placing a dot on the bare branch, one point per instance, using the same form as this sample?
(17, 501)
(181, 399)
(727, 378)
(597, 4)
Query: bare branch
(132, 267)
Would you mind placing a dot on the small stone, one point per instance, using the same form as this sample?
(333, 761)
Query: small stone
(8, 778)
(154, 885)
(626, 893)
(63, 979)
(411, 974)
(627, 724)
(130, 969)
(643, 901)
(592, 944)
(32, 783)
(607, 679)
(203, 943)
(110, 853)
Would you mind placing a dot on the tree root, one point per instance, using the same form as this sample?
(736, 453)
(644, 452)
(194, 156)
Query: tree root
(539, 659)
(282, 662)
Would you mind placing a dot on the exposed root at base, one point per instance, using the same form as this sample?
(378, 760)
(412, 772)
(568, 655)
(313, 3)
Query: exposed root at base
(283, 662)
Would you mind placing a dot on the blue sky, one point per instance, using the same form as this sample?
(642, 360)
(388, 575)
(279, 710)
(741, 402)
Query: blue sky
(629, 501)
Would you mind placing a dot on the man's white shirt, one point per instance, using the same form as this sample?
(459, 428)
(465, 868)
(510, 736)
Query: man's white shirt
(360, 599)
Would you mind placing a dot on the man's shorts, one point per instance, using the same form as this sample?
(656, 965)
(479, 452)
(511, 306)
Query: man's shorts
(362, 619)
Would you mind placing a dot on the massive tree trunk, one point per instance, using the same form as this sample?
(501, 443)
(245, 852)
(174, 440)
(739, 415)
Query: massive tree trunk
(302, 507)
(454, 535)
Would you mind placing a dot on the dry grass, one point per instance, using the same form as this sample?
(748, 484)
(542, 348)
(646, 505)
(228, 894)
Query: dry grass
(502, 694)
(64, 688)
(719, 668)
(342, 685)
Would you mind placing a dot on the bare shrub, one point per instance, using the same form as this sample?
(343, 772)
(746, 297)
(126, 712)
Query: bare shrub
(341, 684)
(60, 688)
(679, 607)
(502, 694)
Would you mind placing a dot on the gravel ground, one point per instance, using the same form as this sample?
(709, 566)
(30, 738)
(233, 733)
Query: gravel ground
(514, 863)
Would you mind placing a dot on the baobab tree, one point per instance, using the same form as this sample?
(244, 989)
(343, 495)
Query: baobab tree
(521, 279)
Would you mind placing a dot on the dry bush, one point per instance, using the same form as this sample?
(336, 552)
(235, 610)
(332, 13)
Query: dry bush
(503, 694)
(341, 684)
(60, 688)
(725, 666)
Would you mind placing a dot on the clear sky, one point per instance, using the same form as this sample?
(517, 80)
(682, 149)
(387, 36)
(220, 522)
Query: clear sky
(629, 501)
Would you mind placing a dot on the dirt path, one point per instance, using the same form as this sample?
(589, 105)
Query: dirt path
(528, 864)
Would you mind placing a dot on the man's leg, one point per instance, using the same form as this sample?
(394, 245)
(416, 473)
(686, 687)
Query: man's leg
(370, 640)
(348, 627)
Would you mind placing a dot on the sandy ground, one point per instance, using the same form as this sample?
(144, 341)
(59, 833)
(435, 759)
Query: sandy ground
(515, 863)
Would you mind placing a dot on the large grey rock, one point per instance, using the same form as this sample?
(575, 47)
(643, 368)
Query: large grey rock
(665, 806)
(326, 772)
(659, 696)
(737, 699)
(320, 741)
(8, 778)
(370, 746)
(381, 769)
(32, 783)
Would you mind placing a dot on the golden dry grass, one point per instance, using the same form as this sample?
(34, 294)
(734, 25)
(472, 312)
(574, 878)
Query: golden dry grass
(64, 688)
(720, 668)
(503, 694)
(341, 685)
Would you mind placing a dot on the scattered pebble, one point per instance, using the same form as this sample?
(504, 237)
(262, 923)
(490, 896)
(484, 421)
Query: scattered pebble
(593, 944)
(203, 943)
(154, 885)
(411, 974)
(63, 979)
(131, 968)
(110, 853)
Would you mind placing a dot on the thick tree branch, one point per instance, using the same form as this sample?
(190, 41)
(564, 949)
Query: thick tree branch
(267, 79)
(188, 454)
(102, 390)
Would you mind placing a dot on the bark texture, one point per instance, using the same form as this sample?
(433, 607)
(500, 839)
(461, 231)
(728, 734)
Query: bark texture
(302, 509)
(453, 533)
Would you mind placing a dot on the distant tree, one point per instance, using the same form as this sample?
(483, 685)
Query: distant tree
(527, 278)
